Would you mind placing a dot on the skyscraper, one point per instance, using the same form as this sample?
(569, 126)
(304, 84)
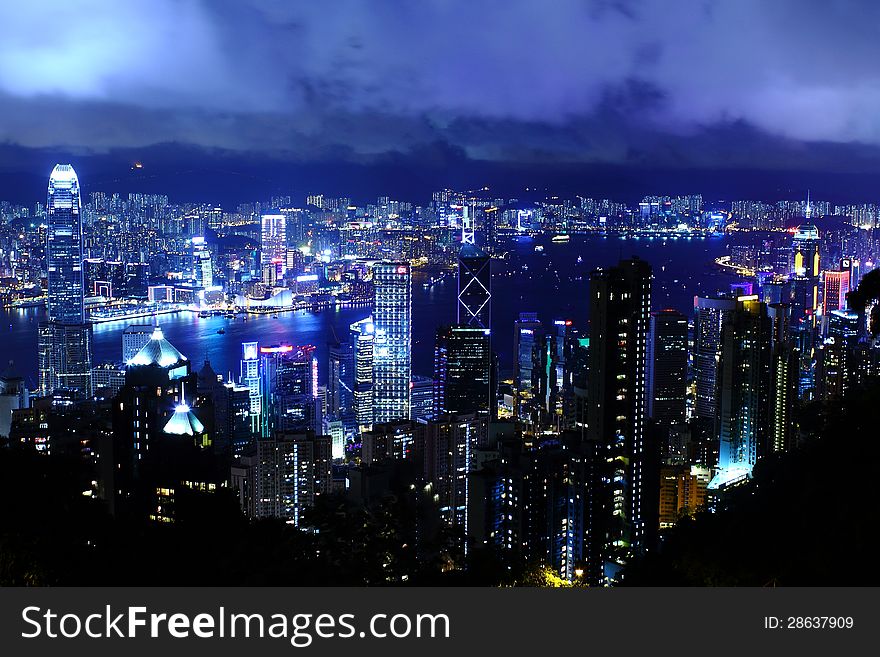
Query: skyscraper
(203, 273)
(805, 273)
(709, 316)
(835, 290)
(65, 340)
(743, 391)
(64, 353)
(474, 287)
(273, 243)
(462, 371)
(287, 473)
(527, 336)
(64, 247)
(135, 336)
(250, 378)
(157, 379)
(289, 387)
(667, 367)
(362, 334)
(620, 308)
(784, 375)
(392, 341)
(340, 385)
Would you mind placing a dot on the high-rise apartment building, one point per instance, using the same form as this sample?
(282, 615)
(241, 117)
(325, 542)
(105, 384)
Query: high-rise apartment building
(620, 312)
(667, 367)
(744, 371)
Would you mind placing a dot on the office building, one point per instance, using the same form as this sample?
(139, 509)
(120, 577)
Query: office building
(527, 337)
(474, 287)
(392, 341)
(65, 339)
(362, 334)
(134, 337)
(340, 385)
(835, 290)
(64, 254)
(462, 371)
(289, 389)
(422, 391)
(273, 243)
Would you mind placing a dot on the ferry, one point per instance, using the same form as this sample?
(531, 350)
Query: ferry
(539, 248)
(561, 239)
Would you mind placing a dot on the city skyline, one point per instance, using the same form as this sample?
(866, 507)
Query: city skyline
(584, 295)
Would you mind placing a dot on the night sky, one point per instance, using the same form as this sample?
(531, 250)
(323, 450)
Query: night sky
(229, 100)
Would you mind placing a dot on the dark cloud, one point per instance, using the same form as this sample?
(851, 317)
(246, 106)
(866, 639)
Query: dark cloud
(705, 83)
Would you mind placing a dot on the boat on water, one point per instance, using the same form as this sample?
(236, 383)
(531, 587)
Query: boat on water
(221, 331)
(561, 239)
(539, 248)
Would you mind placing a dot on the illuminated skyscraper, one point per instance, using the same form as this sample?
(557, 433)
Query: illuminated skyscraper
(157, 379)
(620, 311)
(392, 341)
(474, 287)
(289, 388)
(273, 243)
(340, 385)
(250, 378)
(805, 272)
(784, 375)
(837, 284)
(65, 340)
(709, 317)
(527, 337)
(203, 273)
(134, 337)
(744, 374)
(64, 247)
(362, 334)
(64, 354)
(287, 473)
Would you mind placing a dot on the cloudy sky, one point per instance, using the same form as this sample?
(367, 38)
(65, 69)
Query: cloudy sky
(763, 85)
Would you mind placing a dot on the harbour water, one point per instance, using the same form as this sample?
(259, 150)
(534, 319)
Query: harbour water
(552, 281)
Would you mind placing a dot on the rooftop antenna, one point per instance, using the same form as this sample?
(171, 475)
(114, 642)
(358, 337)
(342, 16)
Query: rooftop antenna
(467, 226)
(809, 211)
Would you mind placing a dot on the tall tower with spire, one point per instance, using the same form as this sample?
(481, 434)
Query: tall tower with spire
(65, 339)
